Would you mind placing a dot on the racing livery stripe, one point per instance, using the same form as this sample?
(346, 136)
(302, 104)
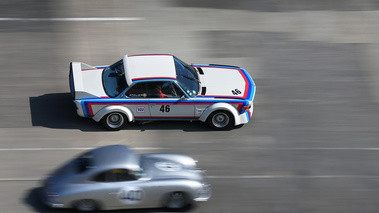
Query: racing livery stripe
(89, 105)
(247, 114)
(95, 68)
(155, 78)
(89, 109)
(248, 81)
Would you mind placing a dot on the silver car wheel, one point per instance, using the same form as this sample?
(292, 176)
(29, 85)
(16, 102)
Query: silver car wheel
(86, 205)
(220, 120)
(115, 120)
(176, 200)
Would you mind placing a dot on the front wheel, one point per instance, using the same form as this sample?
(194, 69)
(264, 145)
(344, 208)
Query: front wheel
(177, 201)
(220, 120)
(86, 205)
(113, 121)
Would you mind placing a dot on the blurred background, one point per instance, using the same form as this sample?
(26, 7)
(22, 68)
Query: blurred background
(312, 145)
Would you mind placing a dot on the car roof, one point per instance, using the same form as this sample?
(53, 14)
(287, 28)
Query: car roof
(114, 156)
(149, 66)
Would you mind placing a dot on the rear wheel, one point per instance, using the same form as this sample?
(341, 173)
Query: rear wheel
(220, 120)
(113, 121)
(86, 205)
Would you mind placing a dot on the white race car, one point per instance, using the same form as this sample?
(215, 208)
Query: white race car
(162, 87)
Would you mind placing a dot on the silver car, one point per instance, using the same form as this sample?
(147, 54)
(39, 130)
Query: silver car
(115, 177)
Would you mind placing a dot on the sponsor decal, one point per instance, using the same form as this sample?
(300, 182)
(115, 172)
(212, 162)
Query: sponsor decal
(140, 109)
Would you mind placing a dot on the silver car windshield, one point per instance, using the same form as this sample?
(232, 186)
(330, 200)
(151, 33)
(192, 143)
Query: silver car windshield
(83, 162)
(187, 77)
(114, 81)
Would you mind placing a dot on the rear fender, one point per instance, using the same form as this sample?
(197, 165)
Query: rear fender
(220, 106)
(124, 110)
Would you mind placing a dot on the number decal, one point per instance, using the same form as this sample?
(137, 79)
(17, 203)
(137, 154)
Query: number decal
(165, 108)
(236, 92)
(141, 109)
(131, 195)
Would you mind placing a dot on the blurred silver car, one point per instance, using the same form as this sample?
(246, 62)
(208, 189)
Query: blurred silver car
(115, 177)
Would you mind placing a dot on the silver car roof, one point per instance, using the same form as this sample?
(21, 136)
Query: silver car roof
(114, 156)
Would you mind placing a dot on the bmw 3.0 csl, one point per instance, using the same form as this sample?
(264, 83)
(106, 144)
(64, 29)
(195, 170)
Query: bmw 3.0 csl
(115, 177)
(162, 87)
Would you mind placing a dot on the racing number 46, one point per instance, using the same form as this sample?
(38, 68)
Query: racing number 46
(165, 108)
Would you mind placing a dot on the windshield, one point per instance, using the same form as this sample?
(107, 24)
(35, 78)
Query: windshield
(114, 81)
(187, 77)
(83, 162)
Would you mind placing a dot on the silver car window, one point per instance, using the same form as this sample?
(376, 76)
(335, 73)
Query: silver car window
(115, 175)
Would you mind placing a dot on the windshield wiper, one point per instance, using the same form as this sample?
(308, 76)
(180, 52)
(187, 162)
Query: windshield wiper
(190, 78)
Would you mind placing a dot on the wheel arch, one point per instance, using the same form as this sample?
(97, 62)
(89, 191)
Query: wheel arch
(100, 205)
(189, 198)
(108, 109)
(220, 106)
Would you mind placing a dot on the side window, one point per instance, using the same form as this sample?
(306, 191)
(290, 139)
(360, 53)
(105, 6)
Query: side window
(179, 92)
(115, 175)
(137, 91)
(164, 89)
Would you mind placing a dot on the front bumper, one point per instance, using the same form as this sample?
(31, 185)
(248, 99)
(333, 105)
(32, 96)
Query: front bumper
(204, 194)
(49, 200)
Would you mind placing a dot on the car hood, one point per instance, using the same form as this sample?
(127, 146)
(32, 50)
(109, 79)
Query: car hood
(226, 81)
(170, 166)
(65, 173)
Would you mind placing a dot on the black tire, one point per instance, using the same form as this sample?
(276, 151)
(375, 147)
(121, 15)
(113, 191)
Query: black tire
(178, 201)
(86, 205)
(220, 120)
(114, 121)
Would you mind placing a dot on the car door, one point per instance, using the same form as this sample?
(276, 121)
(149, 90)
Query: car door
(137, 100)
(168, 101)
(118, 189)
(122, 189)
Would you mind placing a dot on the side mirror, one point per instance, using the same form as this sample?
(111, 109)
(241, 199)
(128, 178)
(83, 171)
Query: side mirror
(183, 98)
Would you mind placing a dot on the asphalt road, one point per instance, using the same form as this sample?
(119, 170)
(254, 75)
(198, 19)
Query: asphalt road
(312, 145)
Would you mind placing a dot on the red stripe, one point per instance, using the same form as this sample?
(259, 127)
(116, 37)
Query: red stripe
(246, 83)
(91, 111)
(239, 106)
(148, 78)
(243, 76)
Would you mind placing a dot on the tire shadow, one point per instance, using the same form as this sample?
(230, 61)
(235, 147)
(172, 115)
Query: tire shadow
(57, 111)
(32, 199)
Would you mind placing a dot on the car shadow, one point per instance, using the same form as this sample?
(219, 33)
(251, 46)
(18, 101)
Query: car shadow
(32, 200)
(57, 111)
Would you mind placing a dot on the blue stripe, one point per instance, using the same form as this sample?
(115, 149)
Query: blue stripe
(247, 116)
(153, 79)
(101, 67)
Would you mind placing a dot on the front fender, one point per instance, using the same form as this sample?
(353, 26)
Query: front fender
(126, 111)
(220, 106)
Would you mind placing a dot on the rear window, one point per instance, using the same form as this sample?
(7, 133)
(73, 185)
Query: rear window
(114, 81)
